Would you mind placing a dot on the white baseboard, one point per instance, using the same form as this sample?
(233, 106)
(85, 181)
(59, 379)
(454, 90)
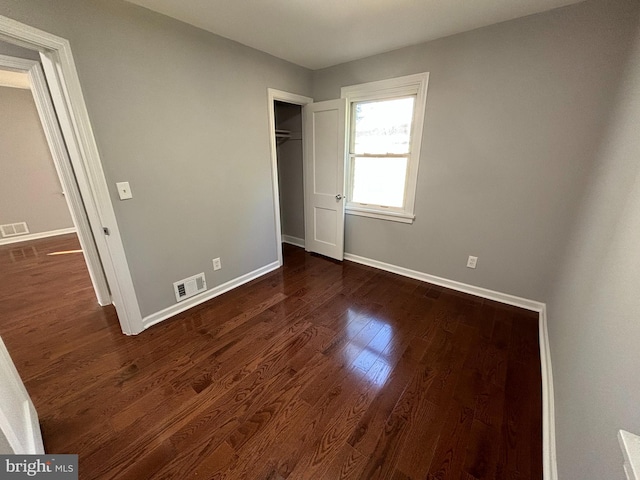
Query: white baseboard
(168, 312)
(36, 236)
(298, 242)
(549, 463)
(452, 284)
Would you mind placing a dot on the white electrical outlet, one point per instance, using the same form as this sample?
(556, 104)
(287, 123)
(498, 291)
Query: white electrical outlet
(124, 190)
(216, 264)
(471, 263)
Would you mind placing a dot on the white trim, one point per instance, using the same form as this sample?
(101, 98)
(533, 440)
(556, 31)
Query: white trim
(393, 87)
(36, 236)
(74, 200)
(63, 167)
(417, 85)
(630, 445)
(549, 463)
(298, 242)
(281, 96)
(26, 439)
(452, 284)
(66, 93)
(371, 213)
(169, 312)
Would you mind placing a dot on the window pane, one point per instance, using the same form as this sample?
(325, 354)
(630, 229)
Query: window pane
(382, 127)
(379, 180)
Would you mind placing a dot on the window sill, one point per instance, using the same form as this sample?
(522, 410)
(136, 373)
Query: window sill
(401, 217)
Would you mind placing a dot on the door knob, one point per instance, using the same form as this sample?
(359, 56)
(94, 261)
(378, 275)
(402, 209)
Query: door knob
(339, 196)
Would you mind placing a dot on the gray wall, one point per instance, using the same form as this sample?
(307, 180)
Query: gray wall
(514, 114)
(19, 52)
(181, 114)
(594, 323)
(291, 182)
(5, 448)
(30, 190)
(525, 147)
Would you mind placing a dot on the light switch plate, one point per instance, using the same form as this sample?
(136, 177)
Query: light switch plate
(124, 191)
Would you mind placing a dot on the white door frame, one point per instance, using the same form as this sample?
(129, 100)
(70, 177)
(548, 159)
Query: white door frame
(66, 94)
(281, 96)
(18, 417)
(62, 164)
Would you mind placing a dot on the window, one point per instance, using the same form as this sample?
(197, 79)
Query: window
(385, 133)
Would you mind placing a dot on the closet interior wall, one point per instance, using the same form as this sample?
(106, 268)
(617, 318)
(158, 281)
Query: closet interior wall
(288, 118)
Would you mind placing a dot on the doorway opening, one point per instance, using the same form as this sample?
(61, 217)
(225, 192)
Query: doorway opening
(286, 133)
(40, 191)
(45, 253)
(35, 203)
(81, 161)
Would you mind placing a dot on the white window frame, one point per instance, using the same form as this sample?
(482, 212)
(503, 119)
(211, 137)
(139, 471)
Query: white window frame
(387, 89)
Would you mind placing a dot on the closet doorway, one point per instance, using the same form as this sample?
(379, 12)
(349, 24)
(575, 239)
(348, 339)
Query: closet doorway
(286, 131)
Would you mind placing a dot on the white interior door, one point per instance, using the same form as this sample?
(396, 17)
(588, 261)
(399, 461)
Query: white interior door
(324, 157)
(18, 417)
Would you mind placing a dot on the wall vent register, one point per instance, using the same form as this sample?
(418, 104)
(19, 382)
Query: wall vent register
(14, 229)
(189, 287)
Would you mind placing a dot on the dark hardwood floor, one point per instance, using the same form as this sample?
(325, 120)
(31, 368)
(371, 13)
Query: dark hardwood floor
(318, 370)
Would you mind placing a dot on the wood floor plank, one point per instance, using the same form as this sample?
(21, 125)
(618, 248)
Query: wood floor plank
(448, 460)
(317, 370)
(366, 433)
(422, 438)
(348, 464)
(382, 461)
(481, 459)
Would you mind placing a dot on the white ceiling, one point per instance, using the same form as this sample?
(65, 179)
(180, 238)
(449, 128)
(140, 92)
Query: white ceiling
(321, 33)
(14, 79)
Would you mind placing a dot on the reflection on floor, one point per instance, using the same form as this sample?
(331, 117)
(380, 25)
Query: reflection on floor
(64, 252)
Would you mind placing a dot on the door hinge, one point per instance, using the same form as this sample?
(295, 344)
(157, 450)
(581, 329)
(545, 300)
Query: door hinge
(106, 231)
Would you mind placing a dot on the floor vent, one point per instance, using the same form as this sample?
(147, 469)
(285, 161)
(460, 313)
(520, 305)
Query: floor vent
(189, 287)
(14, 229)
